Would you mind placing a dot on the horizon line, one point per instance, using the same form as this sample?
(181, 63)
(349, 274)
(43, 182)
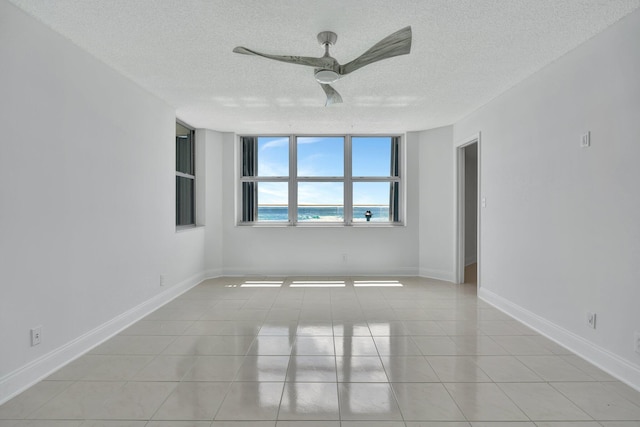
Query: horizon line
(314, 205)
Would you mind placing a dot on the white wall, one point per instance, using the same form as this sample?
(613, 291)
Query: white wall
(436, 203)
(213, 249)
(561, 230)
(318, 250)
(87, 221)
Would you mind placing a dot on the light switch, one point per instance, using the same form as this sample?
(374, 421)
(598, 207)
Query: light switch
(585, 140)
(484, 202)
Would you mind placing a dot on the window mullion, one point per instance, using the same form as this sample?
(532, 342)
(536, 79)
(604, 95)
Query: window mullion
(293, 180)
(348, 184)
(375, 179)
(320, 179)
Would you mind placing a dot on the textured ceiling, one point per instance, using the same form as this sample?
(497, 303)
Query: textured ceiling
(464, 53)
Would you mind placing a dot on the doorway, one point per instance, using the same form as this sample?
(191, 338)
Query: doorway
(467, 210)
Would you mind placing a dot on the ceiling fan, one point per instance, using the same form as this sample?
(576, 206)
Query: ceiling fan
(328, 70)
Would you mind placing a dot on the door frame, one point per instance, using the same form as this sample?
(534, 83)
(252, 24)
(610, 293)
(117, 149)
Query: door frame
(459, 207)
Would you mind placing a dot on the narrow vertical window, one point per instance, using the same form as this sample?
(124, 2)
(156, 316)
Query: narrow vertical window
(265, 179)
(185, 176)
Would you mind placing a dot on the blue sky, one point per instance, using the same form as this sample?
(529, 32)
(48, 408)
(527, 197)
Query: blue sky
(324, 156)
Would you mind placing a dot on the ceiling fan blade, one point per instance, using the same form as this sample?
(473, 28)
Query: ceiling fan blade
(300, 60)
(398, 43)
(333, 97)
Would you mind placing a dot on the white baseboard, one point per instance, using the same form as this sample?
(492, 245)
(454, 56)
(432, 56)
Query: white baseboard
(609, 362)
(213, 273)
(436, 274)
(329, 272)
(470, 260)
(24, 377)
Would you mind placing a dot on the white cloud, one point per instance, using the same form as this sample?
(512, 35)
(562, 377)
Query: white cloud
(309, 140)
(280, 142)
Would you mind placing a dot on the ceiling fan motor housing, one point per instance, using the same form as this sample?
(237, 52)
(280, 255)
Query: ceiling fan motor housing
(327, 38)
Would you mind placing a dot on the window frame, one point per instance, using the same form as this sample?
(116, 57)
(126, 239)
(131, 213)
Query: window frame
(293, 179)
(192, 177)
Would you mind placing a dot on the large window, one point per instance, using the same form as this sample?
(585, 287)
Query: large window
(320, 179)
(185, 176)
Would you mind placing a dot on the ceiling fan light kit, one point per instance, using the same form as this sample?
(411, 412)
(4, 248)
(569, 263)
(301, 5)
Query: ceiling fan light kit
(326, 76)
(327, 69)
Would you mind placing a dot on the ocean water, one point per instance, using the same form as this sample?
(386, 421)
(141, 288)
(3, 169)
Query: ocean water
(323, 213)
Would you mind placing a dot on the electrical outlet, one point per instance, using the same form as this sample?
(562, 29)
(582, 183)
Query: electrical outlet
(344, 258)
(585, 140)
(163, 280)
(36, 335)
(591, 320)
(637, 342)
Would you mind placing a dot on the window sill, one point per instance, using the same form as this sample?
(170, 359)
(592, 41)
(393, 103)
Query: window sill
(185, 228)
(320, 225)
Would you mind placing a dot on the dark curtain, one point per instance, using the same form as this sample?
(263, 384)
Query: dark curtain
(249, 168)
(394, 193)
(185, 212)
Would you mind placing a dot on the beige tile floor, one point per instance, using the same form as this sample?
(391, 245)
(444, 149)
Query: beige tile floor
(348, 354)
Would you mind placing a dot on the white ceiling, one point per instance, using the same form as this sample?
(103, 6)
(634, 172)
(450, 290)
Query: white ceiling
(464, 53)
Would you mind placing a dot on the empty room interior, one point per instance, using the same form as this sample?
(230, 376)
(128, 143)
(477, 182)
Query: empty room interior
(342, 213)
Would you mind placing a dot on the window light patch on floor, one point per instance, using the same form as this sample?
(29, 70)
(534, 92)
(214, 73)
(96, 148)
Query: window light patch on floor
(317, 284)
(262, 284)
(377, 283)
